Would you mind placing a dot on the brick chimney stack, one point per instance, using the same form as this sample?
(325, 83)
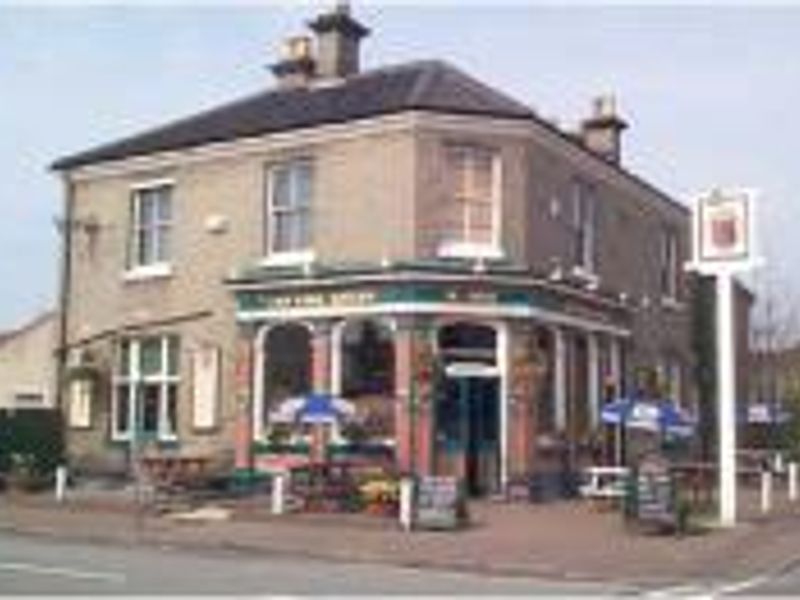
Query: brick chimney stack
(339, 38)
(602, 131)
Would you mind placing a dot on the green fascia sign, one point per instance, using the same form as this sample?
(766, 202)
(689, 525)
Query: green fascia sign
(254, 300)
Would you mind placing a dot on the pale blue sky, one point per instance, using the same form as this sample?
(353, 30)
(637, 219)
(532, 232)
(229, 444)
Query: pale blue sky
(712, 95)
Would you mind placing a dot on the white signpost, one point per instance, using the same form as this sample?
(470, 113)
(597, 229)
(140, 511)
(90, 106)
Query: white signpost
(724, 236)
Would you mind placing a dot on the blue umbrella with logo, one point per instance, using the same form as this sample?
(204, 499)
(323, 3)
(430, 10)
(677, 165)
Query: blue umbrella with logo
(659, 416)
(324, 408)
(616, 411)
(313, 408)
(764, 413)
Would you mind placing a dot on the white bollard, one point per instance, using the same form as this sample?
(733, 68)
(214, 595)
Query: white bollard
(406, 503)
(779, 463)
(792, 481)
(766, 491)
(61, 483)
(279, 494)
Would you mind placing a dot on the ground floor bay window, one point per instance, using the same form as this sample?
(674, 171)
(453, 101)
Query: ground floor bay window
(146, 386)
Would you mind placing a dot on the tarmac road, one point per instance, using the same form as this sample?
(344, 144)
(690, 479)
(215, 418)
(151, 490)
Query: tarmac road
(40, 565)
(37, 565)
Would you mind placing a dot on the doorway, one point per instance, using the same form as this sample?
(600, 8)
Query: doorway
(468, 431)
(468, 412)
(479, 397)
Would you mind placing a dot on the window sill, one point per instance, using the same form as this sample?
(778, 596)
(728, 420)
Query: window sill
(469, 250)
(125, 438)
(149, 272)
(288, 259)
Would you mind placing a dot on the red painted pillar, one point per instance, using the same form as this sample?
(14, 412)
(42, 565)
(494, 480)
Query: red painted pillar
(424, 437)
(522, 414)
(321, 358)
(423, 369)
(243, 378)
(403, 374)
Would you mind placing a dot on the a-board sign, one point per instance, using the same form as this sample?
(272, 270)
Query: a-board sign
(655, 498)
(439, 501)
(655, 494)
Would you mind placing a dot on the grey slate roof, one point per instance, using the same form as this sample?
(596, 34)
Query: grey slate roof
(424, 85)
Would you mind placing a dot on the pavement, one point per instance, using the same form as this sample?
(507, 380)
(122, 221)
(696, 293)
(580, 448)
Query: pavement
(562, 542)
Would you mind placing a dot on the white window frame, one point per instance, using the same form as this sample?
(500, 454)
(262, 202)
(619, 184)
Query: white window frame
(299, 255)
(466, 247)
(584, 223)
(135, 380)
(162, 265)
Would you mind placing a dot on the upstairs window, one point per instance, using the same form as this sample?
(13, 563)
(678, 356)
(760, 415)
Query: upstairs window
(151, 226)
(290, 191)
(470, 224)
(584, 227)
(670, 264)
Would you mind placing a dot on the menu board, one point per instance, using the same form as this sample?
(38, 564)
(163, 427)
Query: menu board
(438, 502)
(655, 498)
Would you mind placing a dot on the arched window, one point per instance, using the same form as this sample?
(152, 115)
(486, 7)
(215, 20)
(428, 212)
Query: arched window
(287, 367)
(367, 359)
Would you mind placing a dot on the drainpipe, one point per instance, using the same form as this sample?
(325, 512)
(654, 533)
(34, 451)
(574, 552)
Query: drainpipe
(65, 284)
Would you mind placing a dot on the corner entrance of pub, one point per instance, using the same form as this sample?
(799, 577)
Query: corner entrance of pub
(467, 419)
(468, 428)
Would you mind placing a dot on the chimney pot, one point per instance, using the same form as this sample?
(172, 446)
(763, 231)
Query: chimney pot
(605, 106)
(602, 131)
(296, 47)
(296, 66)
(339, 38)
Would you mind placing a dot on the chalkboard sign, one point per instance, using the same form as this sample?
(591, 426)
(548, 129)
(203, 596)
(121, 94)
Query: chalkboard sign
(439, 503)
(655, 495)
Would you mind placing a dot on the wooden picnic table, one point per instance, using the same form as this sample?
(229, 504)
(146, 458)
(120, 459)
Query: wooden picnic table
(169, 473)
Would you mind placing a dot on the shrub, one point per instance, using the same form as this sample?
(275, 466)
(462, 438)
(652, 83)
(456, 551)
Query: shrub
(31, 441)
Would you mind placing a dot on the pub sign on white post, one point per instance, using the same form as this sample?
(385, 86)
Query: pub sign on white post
(724, 233)
(724, 245)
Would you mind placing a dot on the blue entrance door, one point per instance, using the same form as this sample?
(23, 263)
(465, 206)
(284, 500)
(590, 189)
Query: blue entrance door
(468, 431)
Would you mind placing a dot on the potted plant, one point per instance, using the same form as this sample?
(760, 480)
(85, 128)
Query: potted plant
(380, 496)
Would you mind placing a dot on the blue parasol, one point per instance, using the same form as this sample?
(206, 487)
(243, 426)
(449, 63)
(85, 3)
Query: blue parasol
(661, 416)
(616, 411)
(764, 413)
(312, 408)
(323, 408)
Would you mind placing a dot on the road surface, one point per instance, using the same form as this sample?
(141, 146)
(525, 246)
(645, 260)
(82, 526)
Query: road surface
(37, 565)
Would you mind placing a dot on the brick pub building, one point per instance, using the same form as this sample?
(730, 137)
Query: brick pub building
(470, 277)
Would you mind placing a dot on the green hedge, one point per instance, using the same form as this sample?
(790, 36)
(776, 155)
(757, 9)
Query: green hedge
(36, 434)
